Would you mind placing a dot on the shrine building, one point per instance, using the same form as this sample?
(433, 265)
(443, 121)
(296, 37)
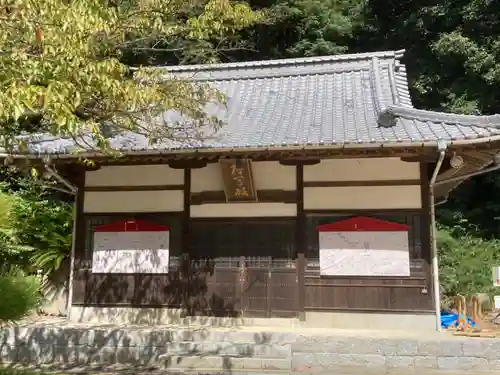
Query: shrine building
(314, 202)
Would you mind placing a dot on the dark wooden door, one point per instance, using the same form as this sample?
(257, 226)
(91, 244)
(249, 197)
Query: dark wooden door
(253, 272)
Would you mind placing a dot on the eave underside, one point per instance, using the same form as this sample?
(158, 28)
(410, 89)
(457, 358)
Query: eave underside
(475, 157)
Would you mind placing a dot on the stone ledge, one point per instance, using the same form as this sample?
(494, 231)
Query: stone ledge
(140, 337)
(255, 350)
(331, 361)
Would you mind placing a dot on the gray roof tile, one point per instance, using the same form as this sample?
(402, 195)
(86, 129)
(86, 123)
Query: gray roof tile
(333, 100)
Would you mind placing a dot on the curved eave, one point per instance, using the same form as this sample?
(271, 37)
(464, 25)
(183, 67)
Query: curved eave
(393, 146)
(388, 118)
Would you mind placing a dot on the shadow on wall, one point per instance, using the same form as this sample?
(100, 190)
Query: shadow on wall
(55, 291)
(197, 287)
(63, 348)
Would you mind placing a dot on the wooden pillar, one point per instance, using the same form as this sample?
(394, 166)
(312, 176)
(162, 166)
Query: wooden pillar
(82, 257)
(300, 241)
(186, 222)
(425, 233)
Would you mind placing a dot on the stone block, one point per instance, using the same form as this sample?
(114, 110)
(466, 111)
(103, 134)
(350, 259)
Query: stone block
(325, 361)
(425, 362)
(494, 364)
(229, 363)
(462, 363)
(7, 353)
(191, 363)
(482, 348)
(280, 351)
(440, 348)
(303, 361)
(400, 361)
(275, 364)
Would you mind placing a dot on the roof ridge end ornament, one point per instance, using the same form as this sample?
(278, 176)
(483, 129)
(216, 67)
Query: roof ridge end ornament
(387, 117)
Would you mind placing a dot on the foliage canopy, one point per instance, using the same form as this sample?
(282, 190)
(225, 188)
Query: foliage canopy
(62, 69)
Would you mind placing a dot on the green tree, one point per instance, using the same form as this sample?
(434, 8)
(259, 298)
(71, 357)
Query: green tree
(452, 49)
(298, 28)
(465, 262)
(62, 69)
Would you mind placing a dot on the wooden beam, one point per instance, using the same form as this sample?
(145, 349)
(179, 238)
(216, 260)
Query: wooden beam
(187, 164)
(299, 161)
(361, 183)
(133, 188)
(267, 196)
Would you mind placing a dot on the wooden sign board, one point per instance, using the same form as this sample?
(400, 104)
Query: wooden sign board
(238, 180)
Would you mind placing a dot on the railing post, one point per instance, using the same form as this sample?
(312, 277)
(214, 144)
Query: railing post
(301, 286)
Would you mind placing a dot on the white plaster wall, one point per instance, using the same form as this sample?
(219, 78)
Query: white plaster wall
(136, 175)
(268, 175)
(375, 169)
(362, 197)
(208, 178)
(133, 201)
(271, 175)
(244, 210)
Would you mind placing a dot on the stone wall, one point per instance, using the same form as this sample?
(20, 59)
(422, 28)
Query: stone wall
(214, 350)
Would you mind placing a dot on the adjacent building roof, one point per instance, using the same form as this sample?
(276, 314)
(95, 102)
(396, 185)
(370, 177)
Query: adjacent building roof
(357, 99)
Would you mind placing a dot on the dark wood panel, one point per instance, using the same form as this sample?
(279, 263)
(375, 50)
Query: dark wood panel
(370, 298)
(283, 292)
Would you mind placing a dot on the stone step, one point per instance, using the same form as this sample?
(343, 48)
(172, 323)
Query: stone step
(257, 350)
(145, 336)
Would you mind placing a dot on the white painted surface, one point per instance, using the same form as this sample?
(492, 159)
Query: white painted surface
(369, 262)
(496, 300)
(364, 254)
(496, 276)
(134, 201)
(244, 210)
(330, 323)
(208, 178)
(362, 197)
(137, 175)
(130, 252)
(378, 322)
(268, 175)
(375, 169)
(271, 175)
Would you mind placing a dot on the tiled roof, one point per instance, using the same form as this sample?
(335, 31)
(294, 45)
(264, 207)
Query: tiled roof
(335, 100)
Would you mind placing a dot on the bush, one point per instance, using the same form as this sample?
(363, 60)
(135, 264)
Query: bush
(20, 295)
(465, 263)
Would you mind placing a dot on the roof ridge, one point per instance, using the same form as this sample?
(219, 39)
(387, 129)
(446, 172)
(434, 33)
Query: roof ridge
(388, 117)
(353, 57)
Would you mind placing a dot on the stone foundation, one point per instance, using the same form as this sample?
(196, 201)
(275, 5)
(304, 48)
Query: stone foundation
(257, 350)
(336, 320)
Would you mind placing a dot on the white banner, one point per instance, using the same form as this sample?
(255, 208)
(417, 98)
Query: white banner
(364, 253)
(131, 252)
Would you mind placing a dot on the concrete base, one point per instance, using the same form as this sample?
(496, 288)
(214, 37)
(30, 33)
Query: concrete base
(377, 321)
(162, 316)
(340, 320)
